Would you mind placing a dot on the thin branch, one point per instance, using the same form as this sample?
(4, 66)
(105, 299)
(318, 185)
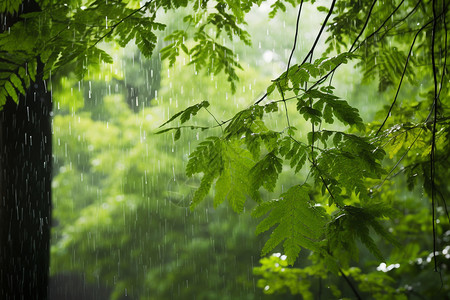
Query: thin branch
(289, 63)
(398, 162)
(350, 284)
(365, 24)
(310, 53)
(433, 139)
(118, 23)
(444, 68)
(214, 118)
(403, 75)
(285, 107)
(295, 38)
(379, 27)
(292, 52)
(444, 204)
(261, 99)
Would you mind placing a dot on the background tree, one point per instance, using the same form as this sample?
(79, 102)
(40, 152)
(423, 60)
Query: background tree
(37, 39)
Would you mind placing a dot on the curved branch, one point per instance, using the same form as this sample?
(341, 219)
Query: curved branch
(367, 22)
(310, 53)
(403, 75)
(121, 21)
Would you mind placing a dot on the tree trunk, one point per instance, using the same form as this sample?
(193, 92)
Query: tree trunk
(25, 187)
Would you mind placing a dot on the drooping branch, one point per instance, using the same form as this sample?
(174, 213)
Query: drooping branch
(433, 138)
(324, 24)
(403, 75)
(365, 24)
(350, 284)
(119, 22)
(289, 63)
(295, 38)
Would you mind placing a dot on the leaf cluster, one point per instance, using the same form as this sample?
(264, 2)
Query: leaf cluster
(298, 75)
(351, 223)
(227, 162)
(301, 224)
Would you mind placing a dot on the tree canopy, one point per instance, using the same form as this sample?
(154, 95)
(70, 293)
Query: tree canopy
(354, 185)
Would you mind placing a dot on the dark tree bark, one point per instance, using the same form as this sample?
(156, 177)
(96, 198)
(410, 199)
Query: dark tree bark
(25, 187)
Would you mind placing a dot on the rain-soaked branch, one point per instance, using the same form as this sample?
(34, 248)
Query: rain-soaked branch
(403, 76)
(365, 24)
(285, 107)
(295, 38)
(311, 51)
(433, 138)
(350, 284)
(214, 118)
(381, 26)
(444, 68)
(289, 63)
(120, 22)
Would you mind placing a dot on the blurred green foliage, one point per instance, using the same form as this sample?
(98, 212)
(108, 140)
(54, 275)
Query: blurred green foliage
(122, 199)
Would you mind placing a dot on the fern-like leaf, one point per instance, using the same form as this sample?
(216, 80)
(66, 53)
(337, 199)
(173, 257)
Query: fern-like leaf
(265, 172)
(186, 114)
(300, 223)
(346, 166)
(206, 158)
(295, 152)
(328, 105)
(355, 222)
(233, 184)
(227, 162)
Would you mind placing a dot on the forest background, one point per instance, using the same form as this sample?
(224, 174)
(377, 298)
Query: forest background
(122, 226)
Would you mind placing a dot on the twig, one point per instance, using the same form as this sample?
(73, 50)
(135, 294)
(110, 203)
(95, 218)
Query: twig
(365, 24)
(379, 27)
(433, 139)
(351, 285)
(403, 75)
(310, 53)
(214, 118)
(295, 38)
(118, 23)
(398, 162)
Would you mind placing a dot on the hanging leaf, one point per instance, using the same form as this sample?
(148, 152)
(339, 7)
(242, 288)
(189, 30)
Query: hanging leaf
(299, 224)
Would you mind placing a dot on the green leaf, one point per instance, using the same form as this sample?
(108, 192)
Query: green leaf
(3, 95)
(11, 91)
(177, 134)
(331, 106)
(243, 120)
(300, 223)
(265, 172)
(187, 113)
(355, 222)
(206, 158)
(233, 184)
(17, 83)
(32, 69)
(208, 153)
(271, 88)
(348, 165)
